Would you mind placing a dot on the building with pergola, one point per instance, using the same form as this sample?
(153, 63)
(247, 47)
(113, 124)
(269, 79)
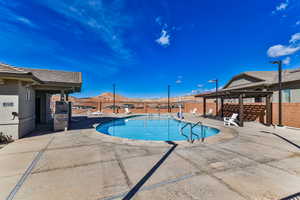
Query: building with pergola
(256, 92)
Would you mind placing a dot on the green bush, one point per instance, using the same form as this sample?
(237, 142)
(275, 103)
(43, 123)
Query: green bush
(4, 139)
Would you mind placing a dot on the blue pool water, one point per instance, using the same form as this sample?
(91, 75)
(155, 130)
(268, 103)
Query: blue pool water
(161, 128)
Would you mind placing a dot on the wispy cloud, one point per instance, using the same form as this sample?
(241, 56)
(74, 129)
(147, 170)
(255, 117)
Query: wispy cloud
(281, 7)
(287, 61)
(295, 38)
(297, 22)
(284, 50)
(165, 36)
(103, 18)
(178, 81)
(26, 21)
(164, 39)
(11, 15)
(281, 50)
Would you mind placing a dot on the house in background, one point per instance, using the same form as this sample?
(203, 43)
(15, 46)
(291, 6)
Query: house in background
(259, 90)
(268, 81)
(25, 96)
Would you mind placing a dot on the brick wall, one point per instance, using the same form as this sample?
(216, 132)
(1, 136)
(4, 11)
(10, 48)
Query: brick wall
(253, 111)
(290, 114)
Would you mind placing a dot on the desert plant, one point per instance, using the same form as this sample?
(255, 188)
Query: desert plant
(4, 139)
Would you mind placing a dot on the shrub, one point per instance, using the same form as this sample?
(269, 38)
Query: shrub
(5, 138)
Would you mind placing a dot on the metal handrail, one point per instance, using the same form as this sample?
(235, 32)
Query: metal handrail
(181, 131)
(191, 131)
(199, 122)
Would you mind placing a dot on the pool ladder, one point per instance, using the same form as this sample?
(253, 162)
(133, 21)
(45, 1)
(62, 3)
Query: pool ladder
(190, 139)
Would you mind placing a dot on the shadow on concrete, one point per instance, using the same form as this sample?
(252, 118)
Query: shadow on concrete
(283, 138)
(84, 122)
(77, 122)
(292, 197)
(136, 188)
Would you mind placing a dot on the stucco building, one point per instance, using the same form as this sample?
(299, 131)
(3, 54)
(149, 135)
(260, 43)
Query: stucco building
(258, 90)
(25, 96)
(268, 81)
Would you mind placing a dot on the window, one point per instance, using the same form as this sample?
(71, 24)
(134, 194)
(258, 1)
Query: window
(286, 95)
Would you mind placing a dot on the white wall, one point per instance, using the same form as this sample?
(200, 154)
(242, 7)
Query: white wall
(26, 109)
(9, 95)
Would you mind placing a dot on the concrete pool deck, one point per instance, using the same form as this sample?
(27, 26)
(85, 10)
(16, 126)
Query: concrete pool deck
(259, 163)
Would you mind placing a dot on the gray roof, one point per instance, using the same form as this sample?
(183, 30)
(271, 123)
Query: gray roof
(43, 75)
(266, 78)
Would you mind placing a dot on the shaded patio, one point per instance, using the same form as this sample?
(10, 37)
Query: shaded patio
(240, 95)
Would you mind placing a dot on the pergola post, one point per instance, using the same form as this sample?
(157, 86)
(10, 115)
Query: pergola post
(241, 110)
(222, 107)
(204, 107)
(268, 110)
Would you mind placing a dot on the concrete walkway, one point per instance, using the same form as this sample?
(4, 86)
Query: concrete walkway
(258, 164)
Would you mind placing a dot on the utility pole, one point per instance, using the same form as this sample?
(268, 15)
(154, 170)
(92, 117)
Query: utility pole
(114, 98)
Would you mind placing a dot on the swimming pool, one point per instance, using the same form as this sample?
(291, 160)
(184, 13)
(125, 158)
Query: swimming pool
(153, 127)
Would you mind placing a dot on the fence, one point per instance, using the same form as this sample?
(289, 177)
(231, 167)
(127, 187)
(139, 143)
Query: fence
(252, 111)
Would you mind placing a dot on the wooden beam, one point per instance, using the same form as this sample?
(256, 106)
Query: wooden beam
(241, 110)
(222, 107)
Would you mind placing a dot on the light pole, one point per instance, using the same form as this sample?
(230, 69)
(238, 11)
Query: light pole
(179, 103)
(169, 109)
(114, 98)
(279, 63)
(215, 81)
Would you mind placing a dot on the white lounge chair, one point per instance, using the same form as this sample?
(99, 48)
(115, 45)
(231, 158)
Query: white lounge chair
(97, 113)
(231, 120)
(210, 112)
(127, 111)
(194, 111)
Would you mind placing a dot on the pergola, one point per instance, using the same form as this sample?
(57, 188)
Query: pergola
(239, 94)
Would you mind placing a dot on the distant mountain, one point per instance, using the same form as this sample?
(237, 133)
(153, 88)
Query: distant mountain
(108, 96)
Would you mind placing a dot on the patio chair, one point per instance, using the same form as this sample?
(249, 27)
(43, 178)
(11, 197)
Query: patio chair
(194, 111)
(97, 113)
(231, 120)
(210, 112)
(127, 111)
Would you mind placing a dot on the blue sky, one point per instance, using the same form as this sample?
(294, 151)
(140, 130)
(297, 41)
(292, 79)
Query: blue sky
(144, 45)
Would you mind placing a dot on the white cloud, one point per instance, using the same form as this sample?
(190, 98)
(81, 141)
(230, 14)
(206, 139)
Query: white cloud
(298, 22)
(281, 50)
(282, 6)
(200, 85)
(284, 50)
(178, 81)
(295, 38)
(286, 61)
(164, 39)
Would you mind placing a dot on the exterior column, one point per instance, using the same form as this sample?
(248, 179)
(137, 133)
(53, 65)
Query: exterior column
(241, 111)
(222, 107)
(268, 110)
(62, 95)
(204, 107)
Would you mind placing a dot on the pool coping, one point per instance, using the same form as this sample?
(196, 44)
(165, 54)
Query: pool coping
(226, 134)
